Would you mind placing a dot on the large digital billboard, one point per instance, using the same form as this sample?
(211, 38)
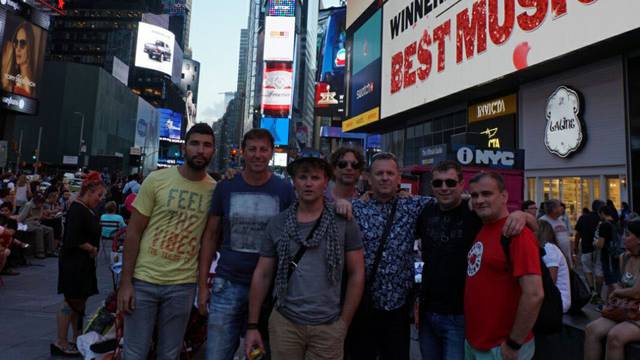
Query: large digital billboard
(330, 89)
(155, 48)
(431, 52)
(364, 91)
(281, 8)
(23, 50)
(170, 124)
(278, 127)
(279, 38)
(277, 89)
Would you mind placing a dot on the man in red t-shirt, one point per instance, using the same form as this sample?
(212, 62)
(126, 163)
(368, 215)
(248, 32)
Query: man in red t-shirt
(501, 300)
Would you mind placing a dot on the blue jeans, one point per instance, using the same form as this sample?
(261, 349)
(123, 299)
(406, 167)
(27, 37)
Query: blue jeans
(525, 353)
(442, 336)
(227, 318)
(167, 305)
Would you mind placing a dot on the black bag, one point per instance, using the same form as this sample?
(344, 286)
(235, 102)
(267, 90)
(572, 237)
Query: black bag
(550, 316)
(580, 293)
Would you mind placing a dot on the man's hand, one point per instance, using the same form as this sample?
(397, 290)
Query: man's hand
(252, 340)
(203, 300)
(515, 223)
(508, 353)
(344, 208)
(126, 297)
(94, 252)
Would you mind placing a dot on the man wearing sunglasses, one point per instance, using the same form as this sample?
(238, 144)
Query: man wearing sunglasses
(447, 228)
(347, 164)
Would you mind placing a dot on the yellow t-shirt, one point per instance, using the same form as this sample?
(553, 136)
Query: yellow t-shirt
(177, 209)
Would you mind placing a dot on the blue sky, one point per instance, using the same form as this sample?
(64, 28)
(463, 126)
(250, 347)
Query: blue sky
(215, 40)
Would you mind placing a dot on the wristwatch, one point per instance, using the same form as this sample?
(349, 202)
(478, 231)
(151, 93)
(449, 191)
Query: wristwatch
(514, 345)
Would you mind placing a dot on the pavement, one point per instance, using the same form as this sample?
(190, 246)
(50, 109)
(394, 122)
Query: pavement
(29, 303)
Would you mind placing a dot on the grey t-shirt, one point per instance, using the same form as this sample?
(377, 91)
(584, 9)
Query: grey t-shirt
(311, 299)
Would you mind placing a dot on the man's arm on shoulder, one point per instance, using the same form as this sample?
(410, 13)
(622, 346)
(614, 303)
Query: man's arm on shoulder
(516, 221)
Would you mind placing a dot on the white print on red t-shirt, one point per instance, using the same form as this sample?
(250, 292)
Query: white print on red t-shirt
(474, 258)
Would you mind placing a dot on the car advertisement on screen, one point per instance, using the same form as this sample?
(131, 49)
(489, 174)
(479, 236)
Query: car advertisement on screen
(330, 89)
(23, 50)
(170, 124)
(155, 48)
(278, 127)
(279, 38)
(431, 52)
(364, 92)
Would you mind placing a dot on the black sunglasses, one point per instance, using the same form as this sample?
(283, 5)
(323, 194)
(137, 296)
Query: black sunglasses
(22, 43)
(437, 183)
(342, 164)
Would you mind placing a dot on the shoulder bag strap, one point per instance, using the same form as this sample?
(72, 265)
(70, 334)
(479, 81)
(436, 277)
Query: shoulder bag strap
(301, 250)
(383, 240)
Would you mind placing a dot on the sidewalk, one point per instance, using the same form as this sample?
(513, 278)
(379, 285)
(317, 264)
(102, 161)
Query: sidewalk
(28, 306)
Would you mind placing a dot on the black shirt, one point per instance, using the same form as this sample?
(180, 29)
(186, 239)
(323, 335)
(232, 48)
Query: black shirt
(606, 231)
(586, 227)
(446, 239)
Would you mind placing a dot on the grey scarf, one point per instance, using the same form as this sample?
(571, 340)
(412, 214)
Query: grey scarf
(326, 229)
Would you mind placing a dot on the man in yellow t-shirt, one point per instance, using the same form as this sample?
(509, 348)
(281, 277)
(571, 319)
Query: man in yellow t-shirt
(160, 265)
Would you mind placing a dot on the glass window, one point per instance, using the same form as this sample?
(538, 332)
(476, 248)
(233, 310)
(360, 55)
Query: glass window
(551, 188)
(586, 193)
(613, 191)
(596, 188)
(571, 197)
(531, 189)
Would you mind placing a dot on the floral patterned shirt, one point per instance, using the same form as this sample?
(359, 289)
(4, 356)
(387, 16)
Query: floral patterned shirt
(395, 275)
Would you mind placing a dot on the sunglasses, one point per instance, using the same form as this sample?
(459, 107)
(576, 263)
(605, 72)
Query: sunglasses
(342, 164)
(437, 183)
(22, 43)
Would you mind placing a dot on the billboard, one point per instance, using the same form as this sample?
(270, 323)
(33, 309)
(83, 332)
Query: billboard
(277, 89)
(170, 124)
(23, 50)
(431, 52)
(279, 36)
(278, 127)
(170, 154)
(281, 8)
(178, 57)
(355, 8)
(330, 89)
(155, 48)
(146, 134)
(120, 71)
(364, 91)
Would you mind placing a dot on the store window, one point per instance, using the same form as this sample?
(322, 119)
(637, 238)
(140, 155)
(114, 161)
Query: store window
(613, 191)
(531, 189)
(551, 189)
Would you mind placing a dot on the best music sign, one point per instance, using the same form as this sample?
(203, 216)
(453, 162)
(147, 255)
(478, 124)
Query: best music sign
(434, 48)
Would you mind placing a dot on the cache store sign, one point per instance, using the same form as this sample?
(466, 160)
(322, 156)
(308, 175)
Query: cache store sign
(279, 35)
(436, 48)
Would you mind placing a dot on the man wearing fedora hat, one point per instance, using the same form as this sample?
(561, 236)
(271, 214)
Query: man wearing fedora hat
(307, 247)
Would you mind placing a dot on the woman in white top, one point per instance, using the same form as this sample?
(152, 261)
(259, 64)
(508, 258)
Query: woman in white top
(23, 192)
(555, 262)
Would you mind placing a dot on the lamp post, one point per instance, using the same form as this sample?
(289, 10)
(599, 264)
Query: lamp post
(81, 141)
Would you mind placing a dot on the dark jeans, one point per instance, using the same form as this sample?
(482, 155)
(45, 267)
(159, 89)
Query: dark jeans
(380, 333)
(441, 336)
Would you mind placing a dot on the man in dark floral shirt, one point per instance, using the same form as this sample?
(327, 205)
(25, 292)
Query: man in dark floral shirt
(384, 329)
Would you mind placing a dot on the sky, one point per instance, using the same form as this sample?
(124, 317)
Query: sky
(215, 41)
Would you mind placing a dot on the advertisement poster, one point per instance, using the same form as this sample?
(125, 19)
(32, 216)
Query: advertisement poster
(170, 124)
(155, 48)
(365, 72)
(277, 89)
(434, 51)
(278, 127)
(279, 38)
(281, 8)
(22, 58)
(330, 89)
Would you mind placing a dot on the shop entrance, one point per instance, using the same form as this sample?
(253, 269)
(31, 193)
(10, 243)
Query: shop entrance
(577, 192)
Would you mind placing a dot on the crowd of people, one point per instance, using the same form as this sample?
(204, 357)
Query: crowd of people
(311, 267)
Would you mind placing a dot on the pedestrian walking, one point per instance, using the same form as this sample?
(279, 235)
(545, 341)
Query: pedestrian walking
(307, 247)
(241, 208)
(502, 294)
(159, 272)
(590, 256)
(77, 266)
(554, 216)
(447, 229)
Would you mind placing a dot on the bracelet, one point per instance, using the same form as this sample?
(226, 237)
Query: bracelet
(252, 326)
(513, 344)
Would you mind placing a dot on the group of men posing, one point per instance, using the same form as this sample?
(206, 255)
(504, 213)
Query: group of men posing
(339, 269)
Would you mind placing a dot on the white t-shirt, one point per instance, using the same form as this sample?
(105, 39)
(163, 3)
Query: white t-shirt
(554, 258)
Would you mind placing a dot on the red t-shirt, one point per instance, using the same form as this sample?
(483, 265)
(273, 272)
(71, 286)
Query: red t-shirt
(492, 292)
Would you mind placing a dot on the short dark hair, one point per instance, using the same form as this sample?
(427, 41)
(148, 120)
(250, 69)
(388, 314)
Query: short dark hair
(342, 151)
(200, 128)
(492, 175)
(526, 204)
(552, 204)
(5, 192)
(446, 165)
(596, 205)
(255, 134)
(384, 156)
(307, 164)
(111, 207)
(8, 205)
(607, 211)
